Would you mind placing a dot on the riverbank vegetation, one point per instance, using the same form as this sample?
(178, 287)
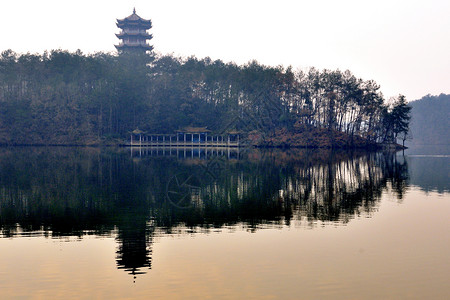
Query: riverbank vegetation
(63, 97)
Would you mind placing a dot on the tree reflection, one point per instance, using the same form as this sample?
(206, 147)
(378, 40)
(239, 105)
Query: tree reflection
(59, 192)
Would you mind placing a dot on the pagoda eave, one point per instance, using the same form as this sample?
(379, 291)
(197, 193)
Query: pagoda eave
(122, 25)
(136, 47)
(140, 34)
(133, 18)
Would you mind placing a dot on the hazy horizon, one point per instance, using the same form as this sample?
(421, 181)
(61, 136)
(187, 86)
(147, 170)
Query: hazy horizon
(402, 45)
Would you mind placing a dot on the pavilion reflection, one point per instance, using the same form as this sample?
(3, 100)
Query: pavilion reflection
(182, 153)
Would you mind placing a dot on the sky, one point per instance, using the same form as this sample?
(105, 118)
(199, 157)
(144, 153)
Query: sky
(403, 45)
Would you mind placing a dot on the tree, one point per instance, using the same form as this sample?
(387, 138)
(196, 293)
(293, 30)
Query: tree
(401, 114)
(396, 118)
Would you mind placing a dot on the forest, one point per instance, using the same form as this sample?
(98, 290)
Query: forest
(70, 98)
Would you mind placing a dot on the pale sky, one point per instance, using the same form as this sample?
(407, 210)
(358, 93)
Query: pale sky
(404, 45)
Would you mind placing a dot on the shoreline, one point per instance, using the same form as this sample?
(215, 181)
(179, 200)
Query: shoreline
(374, 147)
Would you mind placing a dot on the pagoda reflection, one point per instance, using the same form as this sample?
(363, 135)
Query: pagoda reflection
(134, 249)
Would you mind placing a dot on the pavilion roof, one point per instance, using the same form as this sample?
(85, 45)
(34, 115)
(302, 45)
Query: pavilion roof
(234, 132)
(137, 131)
(194, 129)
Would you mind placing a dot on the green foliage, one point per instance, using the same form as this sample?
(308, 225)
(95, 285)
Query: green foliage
(71, 98)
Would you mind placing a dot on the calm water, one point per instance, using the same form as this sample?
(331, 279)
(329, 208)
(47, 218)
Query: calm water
(306, 224)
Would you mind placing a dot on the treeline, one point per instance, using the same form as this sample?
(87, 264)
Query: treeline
(61, 97)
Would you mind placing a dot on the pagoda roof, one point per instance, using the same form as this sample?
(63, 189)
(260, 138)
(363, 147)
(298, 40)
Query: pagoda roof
(134, 19)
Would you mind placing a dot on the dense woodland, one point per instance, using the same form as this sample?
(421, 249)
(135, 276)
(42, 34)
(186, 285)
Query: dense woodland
(430, 120)
(61, 97)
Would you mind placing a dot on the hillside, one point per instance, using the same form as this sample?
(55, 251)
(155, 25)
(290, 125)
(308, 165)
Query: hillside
(430, 120)
(64, 98)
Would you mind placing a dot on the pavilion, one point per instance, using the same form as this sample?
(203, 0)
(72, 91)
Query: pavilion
(185, 137)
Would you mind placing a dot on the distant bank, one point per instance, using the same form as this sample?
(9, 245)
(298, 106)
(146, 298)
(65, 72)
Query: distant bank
(430, 123)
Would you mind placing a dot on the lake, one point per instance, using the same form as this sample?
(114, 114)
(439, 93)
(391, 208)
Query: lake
(110, 223)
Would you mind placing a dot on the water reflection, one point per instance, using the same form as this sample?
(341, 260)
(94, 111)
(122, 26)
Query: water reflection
(134, 251)
(60, 192)
(204, 153)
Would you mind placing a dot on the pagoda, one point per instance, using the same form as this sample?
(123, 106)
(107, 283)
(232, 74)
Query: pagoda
(134, 35)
